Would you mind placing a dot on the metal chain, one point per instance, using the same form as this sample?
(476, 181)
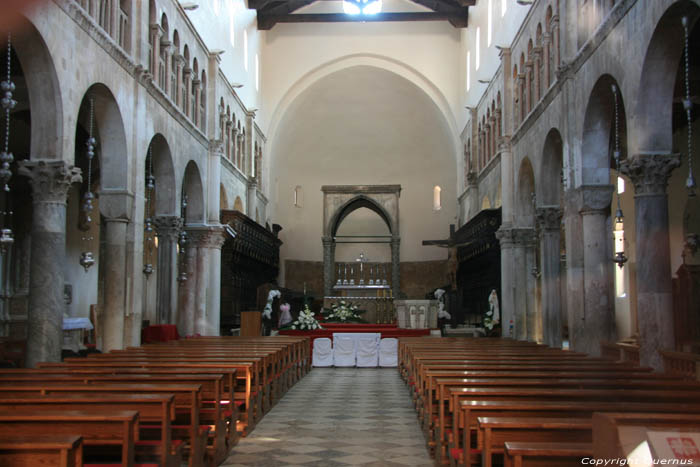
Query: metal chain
(9, 80)
(617, 147)
(91, 140)
(687, 103)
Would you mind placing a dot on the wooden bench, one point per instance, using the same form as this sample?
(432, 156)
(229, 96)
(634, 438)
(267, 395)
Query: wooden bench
(158, 409)
(42, 450)
(523, 454)
(100, 429)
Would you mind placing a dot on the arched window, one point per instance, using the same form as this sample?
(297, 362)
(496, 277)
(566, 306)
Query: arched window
(162, 57)
(531, 77)
(516, 98)
(193, 94)
(173, 67)
(105, 15)
(437, 201)
(185, 81)
(539, 63)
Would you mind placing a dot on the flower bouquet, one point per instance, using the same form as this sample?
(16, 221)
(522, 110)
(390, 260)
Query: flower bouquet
(344, 312)
(306, 321)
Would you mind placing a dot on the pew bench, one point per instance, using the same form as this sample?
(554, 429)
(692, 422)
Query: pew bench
(41, 450)
(533, 454)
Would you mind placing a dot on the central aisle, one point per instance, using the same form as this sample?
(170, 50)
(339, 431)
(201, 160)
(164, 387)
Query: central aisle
(338, 417)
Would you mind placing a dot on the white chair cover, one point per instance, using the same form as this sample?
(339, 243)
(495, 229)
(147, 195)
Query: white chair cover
(367, 352)
(344, 352)
(389, 352)
(323, 352)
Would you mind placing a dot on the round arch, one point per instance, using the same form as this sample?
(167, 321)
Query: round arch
(192, 187)
(372, 60)
(550, 188)
(164, 173)
(43, 89)
(526, 188)
(360, 201)
(654, 110)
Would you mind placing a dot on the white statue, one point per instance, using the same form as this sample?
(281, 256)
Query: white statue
(494, 312)
(267, 312)
(442, 313)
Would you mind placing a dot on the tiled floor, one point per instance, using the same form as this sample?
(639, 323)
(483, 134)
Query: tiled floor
(338, 417)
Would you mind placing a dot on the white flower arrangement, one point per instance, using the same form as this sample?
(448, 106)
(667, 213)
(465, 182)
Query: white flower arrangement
(343, 312)
(306, 320)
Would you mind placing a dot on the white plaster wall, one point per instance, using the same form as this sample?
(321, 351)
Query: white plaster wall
(363, 125)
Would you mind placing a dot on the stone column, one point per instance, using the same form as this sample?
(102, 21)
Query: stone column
(525, 319)
(538, 77)
(598, 319)
(156, 33)
(234, 145)
(650, 174)
(167, 230)
(472, 195)
(194, 116)
(328, 247)
(188, 89)
(528, 87)
(547, 40)
(252, 197)
(200, 294)
(396, 266)
(50, 182)
(522, 95)
(549, 221)
(507, 299)
(178, 92)
(165, 44)
(114, 284)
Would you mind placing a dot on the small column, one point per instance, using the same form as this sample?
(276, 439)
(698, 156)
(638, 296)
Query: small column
(252, 197)
(187, 289)
(598, 319)
(194, 116)
(472, 195)
(167, 230)
(537, 51)
(50, 182)
(505, 237)
(522, 95)
(165, 45)
(650, 174)
(396, 266)
(328, 261)
(549, 221)
(180, 62)
(555, 33)
(156, 33)
(188, 89)
(547, 40)
(528, 87)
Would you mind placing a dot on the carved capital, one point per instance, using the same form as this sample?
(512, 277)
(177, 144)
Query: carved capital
(168, 226)
(212, 238)
(327, 242)
(50, 180)
(512, 237)
(593, 199)
(216, 147)
(472, 178)
(549, 218)
(650, 172)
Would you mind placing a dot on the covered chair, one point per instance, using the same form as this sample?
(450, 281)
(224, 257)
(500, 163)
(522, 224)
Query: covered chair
(388, 352)
(367, 352)
(344, 352)
(323, 352)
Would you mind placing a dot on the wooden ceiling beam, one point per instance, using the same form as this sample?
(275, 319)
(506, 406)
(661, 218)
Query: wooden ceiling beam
(266, 21)
(442, 6)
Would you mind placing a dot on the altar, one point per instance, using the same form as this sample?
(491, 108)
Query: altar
(376, 300)
(328, 329)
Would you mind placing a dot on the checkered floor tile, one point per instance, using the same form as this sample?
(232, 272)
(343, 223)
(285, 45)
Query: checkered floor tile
(338, 417)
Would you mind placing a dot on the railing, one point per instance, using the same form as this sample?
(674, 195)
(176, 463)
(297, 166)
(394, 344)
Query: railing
(685, 365)
(620, 352)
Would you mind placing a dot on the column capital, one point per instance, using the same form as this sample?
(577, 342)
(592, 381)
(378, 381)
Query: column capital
(515, 236)
(472, 178)
(50, 180)
(650, 172)
(216, 147)
(212, 237)
(327, 241)
(168, 226)
(592, 199)
(116, 204)
(549, 218)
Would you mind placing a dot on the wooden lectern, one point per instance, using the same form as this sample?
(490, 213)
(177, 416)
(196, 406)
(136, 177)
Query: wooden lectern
(251, 323)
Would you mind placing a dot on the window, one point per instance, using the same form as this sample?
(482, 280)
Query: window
(469, 71)
(231, 26)
(504, 6)
(478, 45)
(437, 202)
(257, 73)
(490, 23)
(245, 49)
(620, 185)
(298, 196)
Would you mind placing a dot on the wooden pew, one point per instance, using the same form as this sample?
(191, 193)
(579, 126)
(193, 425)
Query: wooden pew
(103, 429)
(547, 454)
(41, 450)
(493, 432)
(188, 401)
(152, 408)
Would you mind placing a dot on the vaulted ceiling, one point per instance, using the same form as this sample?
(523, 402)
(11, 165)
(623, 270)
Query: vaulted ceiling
(271, 12)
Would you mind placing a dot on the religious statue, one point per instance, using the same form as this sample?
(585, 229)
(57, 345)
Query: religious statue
(285, 315)
(493, 316)
(267, 312)
(443, 315)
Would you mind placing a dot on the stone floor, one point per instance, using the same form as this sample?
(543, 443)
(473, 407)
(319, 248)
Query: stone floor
(338, 417)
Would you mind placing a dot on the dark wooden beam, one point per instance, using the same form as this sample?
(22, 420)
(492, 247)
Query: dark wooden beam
(266, 21)
(285, 8)
(442, 6)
